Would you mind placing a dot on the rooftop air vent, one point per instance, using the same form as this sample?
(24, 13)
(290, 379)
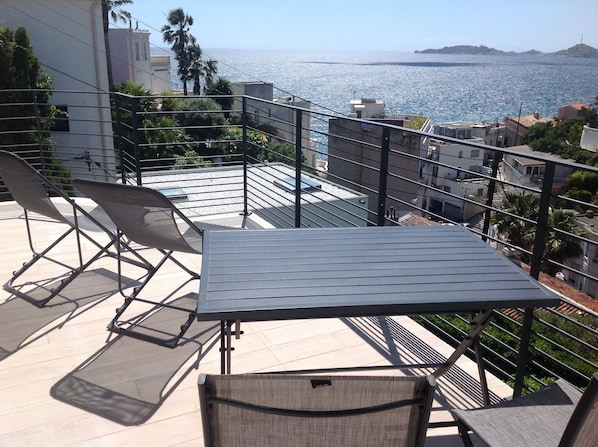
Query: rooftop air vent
(307, 185)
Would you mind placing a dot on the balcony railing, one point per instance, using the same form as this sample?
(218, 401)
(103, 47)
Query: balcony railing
(295, 167)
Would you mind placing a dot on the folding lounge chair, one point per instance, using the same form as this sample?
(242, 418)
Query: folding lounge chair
(37, 194)
(316, 410)
(150, 219)
(558, 415)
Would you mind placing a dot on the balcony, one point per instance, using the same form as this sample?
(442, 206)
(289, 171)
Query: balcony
(128, 391)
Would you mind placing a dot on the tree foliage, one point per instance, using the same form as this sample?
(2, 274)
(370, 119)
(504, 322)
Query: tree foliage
(563, 137)
(191, 66)
(177, 33)
(518, 223)
(203, 120)
(222, 91)
(159, 136)
(26, 117)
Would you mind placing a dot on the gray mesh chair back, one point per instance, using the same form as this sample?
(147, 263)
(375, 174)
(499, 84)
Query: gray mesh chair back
(582, 429)
(144, 215)
(33, 192)
(311, 410)
(149, 218)
(558, 415)
(28, 187)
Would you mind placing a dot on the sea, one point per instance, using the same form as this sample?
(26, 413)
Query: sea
(443, 87)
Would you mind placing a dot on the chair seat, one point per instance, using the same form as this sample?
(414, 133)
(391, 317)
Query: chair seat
(537, 419)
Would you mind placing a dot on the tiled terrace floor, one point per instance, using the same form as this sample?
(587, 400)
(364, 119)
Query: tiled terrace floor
(64, 380)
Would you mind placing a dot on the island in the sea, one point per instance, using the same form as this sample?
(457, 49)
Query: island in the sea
(579, 50)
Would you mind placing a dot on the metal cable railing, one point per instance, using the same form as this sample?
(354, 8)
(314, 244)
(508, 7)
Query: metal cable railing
(261, 157)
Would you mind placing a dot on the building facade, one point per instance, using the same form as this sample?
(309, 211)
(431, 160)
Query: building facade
(355, 154)
(455, 169)
(132, 61)
(282, 119)
(68, 39)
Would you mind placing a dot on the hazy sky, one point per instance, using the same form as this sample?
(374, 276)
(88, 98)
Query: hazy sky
(517, 25)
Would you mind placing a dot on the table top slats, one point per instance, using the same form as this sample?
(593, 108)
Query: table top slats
(310, 273)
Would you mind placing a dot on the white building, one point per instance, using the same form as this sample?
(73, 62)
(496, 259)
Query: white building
(67, 37)
(492, 134)
(366, 108)
(456, 170)
(283, 119)
(131, 60)
(522, 170)
(161, 73)
(589, 139)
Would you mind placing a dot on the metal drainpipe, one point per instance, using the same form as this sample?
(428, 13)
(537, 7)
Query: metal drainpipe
(106, 133)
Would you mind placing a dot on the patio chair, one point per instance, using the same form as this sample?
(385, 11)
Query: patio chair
(35, 193)
(558, 415)
(149, 218)
(316, 410)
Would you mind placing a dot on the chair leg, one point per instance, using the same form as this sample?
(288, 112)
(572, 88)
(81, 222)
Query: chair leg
(126, 327)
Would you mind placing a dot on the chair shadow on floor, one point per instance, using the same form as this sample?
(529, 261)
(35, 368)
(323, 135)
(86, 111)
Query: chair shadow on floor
(128, 379)
(23, 323)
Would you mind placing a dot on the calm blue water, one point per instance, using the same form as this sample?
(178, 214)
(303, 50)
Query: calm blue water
(442, 87)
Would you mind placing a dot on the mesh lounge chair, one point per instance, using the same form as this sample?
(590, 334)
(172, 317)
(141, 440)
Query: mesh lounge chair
(296, 410)
(558, 415)
(149, 218)
(37, 194)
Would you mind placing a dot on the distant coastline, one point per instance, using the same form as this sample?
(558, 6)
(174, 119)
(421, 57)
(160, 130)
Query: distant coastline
(579, 50)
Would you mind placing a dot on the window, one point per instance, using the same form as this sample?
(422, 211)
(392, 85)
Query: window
(475, 153)
(460, 154)
(137, 51)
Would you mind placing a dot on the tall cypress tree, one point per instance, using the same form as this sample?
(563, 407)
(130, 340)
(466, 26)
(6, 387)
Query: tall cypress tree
(25, 113)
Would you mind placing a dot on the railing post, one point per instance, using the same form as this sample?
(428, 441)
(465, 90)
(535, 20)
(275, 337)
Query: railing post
(383, 180)
(491, 191)
(38, 128)
(135, 126)
(536, 263)
(245, 156)
(298, 159)
(119, 135)
(542, 223)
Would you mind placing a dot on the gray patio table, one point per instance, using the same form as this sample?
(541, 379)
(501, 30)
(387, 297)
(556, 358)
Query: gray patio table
(257, 275)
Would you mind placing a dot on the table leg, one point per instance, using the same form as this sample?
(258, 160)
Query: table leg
(477, 325)
(223, 347)
(228, 345)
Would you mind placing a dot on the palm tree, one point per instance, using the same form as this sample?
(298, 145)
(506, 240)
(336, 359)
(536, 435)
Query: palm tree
(519, 231)
(209, 70)
(222, 91)
(109, 11)
(192, 67)
(560, 242)
(559, 246)
(177, 34)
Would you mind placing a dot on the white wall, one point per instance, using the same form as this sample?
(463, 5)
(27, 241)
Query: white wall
(67, 37)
